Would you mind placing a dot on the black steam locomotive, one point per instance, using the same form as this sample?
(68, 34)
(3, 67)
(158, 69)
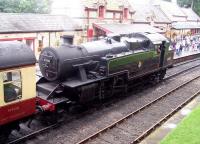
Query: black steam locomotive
(100, 69)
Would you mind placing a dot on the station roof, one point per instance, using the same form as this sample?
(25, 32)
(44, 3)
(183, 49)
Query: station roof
(23, 22)
(127, 28)
(191, 15)
(147, 12)
(186, 25)
(172, 11)
(15, 54)
(110, 4)
(177, 14)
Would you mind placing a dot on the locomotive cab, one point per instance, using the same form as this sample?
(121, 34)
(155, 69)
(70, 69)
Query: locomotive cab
(17, 85)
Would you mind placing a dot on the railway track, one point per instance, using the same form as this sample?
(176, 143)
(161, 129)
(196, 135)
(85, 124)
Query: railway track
(25, 137)
(49, 127)
(182, 69)
(185, 62)
(164, 119)
(158, 123)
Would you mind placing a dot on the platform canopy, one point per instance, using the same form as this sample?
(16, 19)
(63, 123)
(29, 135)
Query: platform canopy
(126, 28)
(15, 54)
(186, 25)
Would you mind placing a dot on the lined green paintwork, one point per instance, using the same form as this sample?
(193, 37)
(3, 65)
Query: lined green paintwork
(135, 57)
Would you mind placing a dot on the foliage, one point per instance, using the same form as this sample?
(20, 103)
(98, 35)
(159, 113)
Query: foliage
(194, 4)
(187, 132)
(25, 6)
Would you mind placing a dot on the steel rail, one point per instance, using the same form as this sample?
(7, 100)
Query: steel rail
(178, 73)
(185, 62)
(186, 58)
(134, 113)
(33, 133)
(164, 119)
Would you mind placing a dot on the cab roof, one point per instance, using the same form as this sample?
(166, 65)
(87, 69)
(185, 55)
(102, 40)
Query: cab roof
(156, 38)
(15, 54)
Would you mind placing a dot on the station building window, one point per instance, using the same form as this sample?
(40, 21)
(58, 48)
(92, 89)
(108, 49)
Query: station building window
(40, 43)
(125, 13)
(101, 11)
(30, 43)
(114, 16)
(12, 84)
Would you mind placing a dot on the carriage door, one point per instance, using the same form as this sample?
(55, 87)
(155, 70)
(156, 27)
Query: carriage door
(1, 90)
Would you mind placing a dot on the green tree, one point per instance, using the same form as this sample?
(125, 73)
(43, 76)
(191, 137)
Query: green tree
(194, 4)
(25, 6)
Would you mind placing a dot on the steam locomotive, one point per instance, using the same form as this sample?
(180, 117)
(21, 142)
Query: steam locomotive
(76, 75)
(96, 70)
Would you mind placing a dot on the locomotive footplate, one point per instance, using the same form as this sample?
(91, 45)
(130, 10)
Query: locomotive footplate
(50, 104)
(77, 82)
(54, 100)
(51, 93)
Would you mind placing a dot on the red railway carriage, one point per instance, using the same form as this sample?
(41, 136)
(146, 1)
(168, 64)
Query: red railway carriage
(17, 85)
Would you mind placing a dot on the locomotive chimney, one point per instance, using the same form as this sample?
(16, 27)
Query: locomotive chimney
(117, 38)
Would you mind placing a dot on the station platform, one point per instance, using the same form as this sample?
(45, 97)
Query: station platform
(186, 55)
(159, 134)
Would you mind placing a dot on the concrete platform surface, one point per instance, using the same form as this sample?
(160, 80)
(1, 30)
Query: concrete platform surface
(186, 53)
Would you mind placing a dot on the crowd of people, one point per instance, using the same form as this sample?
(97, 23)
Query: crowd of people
(187, 44)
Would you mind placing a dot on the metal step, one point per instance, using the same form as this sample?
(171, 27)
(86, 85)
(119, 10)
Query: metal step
(46, 88)
(54, 100)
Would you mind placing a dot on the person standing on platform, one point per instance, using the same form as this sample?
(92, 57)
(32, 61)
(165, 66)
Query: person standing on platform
(180, 49)
(177, 48)
(174, 45)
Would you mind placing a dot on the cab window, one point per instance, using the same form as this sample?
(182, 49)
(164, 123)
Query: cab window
(139, 45)
(157, 48)
(12, 84)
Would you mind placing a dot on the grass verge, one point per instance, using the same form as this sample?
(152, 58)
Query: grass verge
(187, 132)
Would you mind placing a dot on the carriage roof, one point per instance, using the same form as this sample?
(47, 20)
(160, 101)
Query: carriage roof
(15, 54)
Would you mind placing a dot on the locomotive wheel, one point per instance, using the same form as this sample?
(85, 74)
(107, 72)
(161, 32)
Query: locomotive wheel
(75, 109)
(154, 79)
(162, 74)
(4, 136)
(48, 118)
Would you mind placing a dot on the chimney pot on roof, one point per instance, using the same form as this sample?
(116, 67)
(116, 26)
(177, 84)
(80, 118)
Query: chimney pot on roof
(154, 2)
(174, 1)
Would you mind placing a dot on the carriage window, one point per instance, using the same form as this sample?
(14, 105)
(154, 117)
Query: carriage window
(12, 83)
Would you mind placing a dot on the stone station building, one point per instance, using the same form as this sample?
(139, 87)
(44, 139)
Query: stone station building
(39, 30)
